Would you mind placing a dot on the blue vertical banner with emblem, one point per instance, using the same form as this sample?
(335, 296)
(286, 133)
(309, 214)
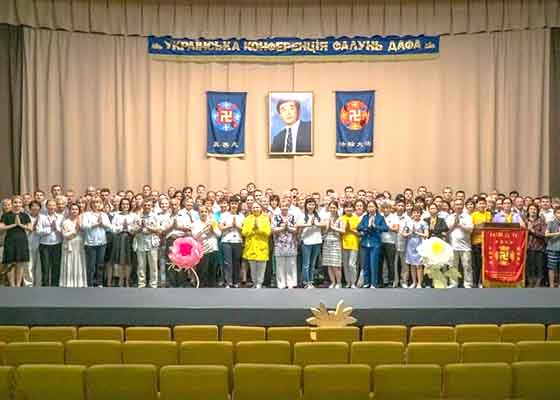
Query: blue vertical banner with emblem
(354, 123)
(226, 124)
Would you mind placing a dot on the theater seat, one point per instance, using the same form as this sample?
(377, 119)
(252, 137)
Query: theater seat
(6, 382)
(538, 351)
(348, 334)
(335, 382)
(14, 333)
(292, 334)
(267, 381)
(236, 334)
(92, 352)
(2, 353)
(384, 333)
(101, 333)
(50, 382)
(477, 381)
(320, 353)
(536, 380)
(148, 333)
(404, 382)
(376, 353)
(208, 353)
(190, 333)
(158, 353)
(513, 333)
(34, 353)
(433, 353)
(52, 333)
(263, 352)
(121, 382)
(553, 332)
(488, 352)
(196, 382)
(477, 333)
(432, 334)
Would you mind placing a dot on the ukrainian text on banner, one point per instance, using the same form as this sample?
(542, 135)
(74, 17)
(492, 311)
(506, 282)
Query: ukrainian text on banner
(504, 254)
(226, 124)
(354, 123)
(357, 48)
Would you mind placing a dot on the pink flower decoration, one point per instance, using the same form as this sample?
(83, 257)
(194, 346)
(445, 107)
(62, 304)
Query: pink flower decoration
(185, 253)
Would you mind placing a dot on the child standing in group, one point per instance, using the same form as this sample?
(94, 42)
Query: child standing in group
(415, 231)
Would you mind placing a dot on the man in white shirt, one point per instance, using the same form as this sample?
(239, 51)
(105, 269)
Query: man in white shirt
(388, 246)
(49, 230)
(546, 209)
(174, 225)
(460, 228)
(145, 244)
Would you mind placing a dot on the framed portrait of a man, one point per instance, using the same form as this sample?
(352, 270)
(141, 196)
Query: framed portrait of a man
(290, 126)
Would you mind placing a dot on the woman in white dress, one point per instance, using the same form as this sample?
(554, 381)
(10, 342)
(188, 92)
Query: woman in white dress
(73, 270)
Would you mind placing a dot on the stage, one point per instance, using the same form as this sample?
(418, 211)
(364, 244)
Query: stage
(273, 307)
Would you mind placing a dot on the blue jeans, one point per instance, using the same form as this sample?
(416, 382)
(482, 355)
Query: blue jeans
(310, 254)
(95, 264)
(369, 258)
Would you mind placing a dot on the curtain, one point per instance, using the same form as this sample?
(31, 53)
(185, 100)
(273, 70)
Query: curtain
(99, 110)
(281, 17)
(11, 78)
(555, 113)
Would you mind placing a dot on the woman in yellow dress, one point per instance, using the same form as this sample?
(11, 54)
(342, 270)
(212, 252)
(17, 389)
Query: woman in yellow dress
(256, 231)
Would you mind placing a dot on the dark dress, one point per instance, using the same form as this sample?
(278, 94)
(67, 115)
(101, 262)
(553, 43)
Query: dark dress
(440, 228)
(16, 247)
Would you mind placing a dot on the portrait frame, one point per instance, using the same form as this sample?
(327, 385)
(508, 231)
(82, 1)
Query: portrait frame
(277, 122)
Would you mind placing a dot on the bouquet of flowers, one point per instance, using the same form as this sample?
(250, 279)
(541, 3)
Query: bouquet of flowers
(437, 256)
(185, 254)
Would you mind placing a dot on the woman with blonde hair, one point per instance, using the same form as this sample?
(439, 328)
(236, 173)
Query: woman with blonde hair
(256, 231)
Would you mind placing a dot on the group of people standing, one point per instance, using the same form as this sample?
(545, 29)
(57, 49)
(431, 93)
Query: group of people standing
(257, 238)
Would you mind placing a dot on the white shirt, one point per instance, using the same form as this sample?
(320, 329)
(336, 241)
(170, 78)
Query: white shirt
(118, 221)
(192, 214)
(548, 215)
(460, 235)
(403, 221)
(293, 130)
(390, 236)
(311, 234)
(95, 235)
(145, 240)
(47, 235)
(209, 239)
(33, 236)
(166, 222)
(232, 235)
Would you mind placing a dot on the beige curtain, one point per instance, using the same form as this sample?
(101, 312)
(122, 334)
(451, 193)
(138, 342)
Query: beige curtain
(281, 17)
(98, 110)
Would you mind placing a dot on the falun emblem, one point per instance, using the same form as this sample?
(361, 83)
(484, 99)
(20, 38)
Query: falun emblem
(354, 115)
(226, 116)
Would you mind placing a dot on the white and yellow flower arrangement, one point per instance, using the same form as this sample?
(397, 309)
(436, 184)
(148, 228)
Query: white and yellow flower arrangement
(437, 256)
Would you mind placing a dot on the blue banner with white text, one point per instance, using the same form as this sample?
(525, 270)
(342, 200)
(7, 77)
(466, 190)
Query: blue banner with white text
(226, 124)
(289, 49)
(355, 113)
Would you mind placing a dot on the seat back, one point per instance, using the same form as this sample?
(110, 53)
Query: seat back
(432, 334)
(347, 334)
(148, 333)
(34, 353)
(320, 353)
(14, 333)
(538, 351)
(92, 352)
(111, 382)
(334, 382)
(50, 382)
(433, 353)
(158, 353)
(399, 382)
(474, 381)
(101, 333)
(477, 333)
(263, 352)
(553, 332)
(536, 380)
(191, 333)
(384, 333)
(236, 334)
(270, 381)
(194, 382)
(292, 334)
(487, 352)
(513, 333)
(6, 382)
(52, 333)
(376, 353)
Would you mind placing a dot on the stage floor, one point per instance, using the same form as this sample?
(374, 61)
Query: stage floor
(273, 307)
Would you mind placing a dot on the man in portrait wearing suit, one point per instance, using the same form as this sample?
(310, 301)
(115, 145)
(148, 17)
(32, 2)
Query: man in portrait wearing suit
(295, 137)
